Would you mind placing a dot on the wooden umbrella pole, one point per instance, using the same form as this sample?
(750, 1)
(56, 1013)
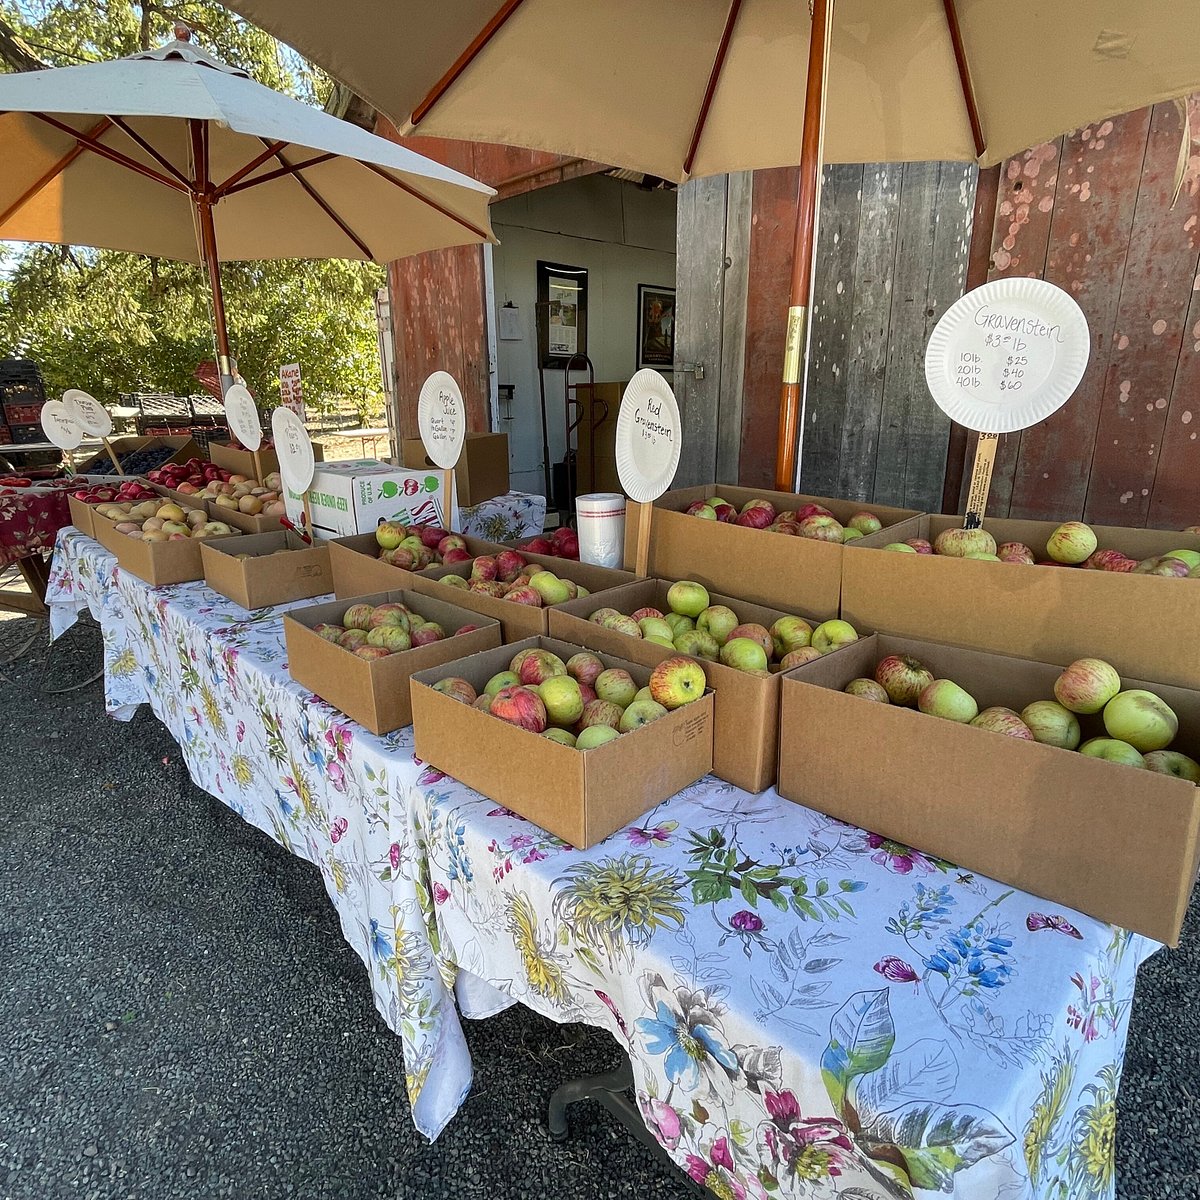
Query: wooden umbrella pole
(792, 394)
(202, 196)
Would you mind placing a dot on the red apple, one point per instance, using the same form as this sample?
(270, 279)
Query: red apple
(1087, 685)
(431, 535)
(484, 567)
(648, 611)
(456, 554)
(456, 688)
(520, 706)
(465, 629)
(1015, 552)
(820, 528)
(756, 518)
(725, 513)
(600, 712)
(524, 595)
(537, 545)
(509, 564)
(811, 510)
(1003, 720)
(371, 652)
(798, 657)
(452, 541)
(920, 545)
(584, 667)
(903, 677)
(430, 632)
(538, 666)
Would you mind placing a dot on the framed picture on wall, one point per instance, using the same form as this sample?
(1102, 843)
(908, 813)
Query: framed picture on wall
(656, 327)
(561, 312)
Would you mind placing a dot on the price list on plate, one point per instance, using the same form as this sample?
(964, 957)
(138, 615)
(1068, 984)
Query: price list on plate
(1004, 354)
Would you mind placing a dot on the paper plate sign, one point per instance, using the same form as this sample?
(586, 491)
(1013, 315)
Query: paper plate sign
(442, 419)
(1007, 355)
(90, 415)
(242, 414)
(648, 437)
(294, 450)
(60, 426)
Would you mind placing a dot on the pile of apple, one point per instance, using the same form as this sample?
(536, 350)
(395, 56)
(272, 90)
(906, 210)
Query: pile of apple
(812, 521)
(159, 521)
(375, 631)
(579, 702)
(243, 494)
(415, 547)
(1140, 725)
(715, 632)
(507, 576)
(562, 543)
(131, 491)
(1072, 544)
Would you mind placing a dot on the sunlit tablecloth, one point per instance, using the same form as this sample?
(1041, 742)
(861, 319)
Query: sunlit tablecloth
(505, 518)
(810, 1010)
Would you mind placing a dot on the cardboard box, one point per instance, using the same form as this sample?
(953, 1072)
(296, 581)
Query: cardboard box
(157, 563)
(481, 471)
(1119, 843)
(354, 496)
(746, 728)
(375, 692)
(267, 577)
(357, 567)
(182, 448)
(774, 569)
(582, 796)
(81, 513)
(241, 462)
(1143, 625)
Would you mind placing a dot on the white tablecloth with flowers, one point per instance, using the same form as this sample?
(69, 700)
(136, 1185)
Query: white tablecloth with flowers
(810, 1010)
(505, 518)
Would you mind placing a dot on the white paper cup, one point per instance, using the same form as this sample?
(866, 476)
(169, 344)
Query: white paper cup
(601, 518)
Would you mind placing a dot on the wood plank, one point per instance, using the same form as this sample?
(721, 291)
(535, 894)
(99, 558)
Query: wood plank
(927, 427)
(1093, 215)
(866, 349)
(904, 371)
(833, 308)
(772, 231)
(699, 272)
(1148, 337)
(739, 206)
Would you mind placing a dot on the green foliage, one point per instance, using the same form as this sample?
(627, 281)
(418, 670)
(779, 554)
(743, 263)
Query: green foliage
(110, 322)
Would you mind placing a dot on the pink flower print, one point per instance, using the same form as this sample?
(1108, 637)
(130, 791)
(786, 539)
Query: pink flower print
(746, 921)
(896, 970)
(719, 1175)
(337, 776)
(805, 1147)
(534, 855)
(661, 1119)
(657, 835)
(241, 730)
(440, 894)
(520, 841)
(338, 830)
(898, 858)
(431, 775)
(394, 855)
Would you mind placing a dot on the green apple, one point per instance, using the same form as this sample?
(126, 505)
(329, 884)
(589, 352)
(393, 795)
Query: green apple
(643, 694)
(899, 548)
(595, 735)
(698, 643)
(718, 622)
(744, 654)
(390, 637)
(655, 640)
(639, 713)
(501, 680)
(1191, 557)
(581, 591)
(1071, 542)
(944, 698)
(790, 633)
(830, 635)
(1141, 719)
(615, 685)
(677, 681)
(1087, 685)
(560, 735)
(1051, 724)
(1171, 762)
(654, 627)
(687, 598)
(602, 614)
(562, 698)
(621, 624)
(980, 556)
(868, 689)
(850, 535)
(679, 623)
(454, 581)
(1112, 750)
(551, 589)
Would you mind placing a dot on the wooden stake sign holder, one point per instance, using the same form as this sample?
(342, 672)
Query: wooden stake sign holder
(294, 449)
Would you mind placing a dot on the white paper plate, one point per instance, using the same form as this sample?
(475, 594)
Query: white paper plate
(442, 419)
(242, 414)
(648, 437)
(90, 415)
(60, 425)
(1007, 355)
(293, 448)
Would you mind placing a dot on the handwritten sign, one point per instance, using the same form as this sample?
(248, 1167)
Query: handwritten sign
(442, 419)
(242, 415)
(1007, 355)
(291, 390)
(648, 437)
(294, 450)
(60, 425)
(89, 414)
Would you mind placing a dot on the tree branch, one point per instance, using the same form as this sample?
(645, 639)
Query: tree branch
(14, 53)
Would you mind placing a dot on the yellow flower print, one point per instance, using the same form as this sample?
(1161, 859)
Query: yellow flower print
(542, 967)
(123, 665)
(212, 710)
(1047, 1111)
(242, 770)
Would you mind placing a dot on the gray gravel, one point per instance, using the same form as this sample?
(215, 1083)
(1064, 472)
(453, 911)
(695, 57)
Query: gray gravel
(181, 1017)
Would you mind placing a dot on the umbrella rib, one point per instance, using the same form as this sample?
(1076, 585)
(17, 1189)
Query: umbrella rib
(52, 174)
(412, 191)
(319, 200)
(713, 75)
(88, 142)
(255, 162)
(964, 76)
(287, 169)
(465, 59)
(162, 161)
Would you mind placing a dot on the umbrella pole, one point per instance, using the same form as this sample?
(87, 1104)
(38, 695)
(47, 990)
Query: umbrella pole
(791, 400)
(202, 196)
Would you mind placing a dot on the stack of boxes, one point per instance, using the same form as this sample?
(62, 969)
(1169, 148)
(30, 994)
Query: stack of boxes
(22, 394)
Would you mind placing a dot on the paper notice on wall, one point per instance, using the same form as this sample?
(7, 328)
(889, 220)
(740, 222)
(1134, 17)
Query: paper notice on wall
(291, 390)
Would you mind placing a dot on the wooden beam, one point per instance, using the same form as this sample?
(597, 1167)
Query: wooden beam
(319, 200)
(88, 142)
(52, 174)
(713, 76)
(286, 169)
(964, 76)
(255, 162)
(412, 191)
(137, 138)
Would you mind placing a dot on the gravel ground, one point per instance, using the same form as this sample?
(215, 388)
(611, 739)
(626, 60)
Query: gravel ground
(180, 1016)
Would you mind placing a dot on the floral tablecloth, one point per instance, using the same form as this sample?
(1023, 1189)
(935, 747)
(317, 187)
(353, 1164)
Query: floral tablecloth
(29, 521)
(810, 1009)
(505, 518)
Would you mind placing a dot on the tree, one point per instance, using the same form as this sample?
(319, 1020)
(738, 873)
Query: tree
(111, 322)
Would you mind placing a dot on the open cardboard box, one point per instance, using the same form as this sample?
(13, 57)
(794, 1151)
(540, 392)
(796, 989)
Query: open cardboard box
(357, 566)
(481, 471)
(746, 709)
(768, 568)
(1117, 842)
(183, 447)
(582, 796)
(267, 576)
(157, 563)
(374, 692)
(82, 513)
(1142, 624)
(241, 462)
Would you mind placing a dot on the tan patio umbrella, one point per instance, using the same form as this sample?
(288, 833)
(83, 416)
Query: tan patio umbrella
(681, 88)
(175, 154)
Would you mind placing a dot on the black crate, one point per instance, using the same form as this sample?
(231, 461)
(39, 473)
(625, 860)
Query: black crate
(21, 392)
(23, 414)
(24, 434)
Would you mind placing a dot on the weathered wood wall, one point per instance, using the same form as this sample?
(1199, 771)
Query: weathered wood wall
(1092, 212)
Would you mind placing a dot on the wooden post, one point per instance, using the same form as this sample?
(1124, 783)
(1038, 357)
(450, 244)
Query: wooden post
(792, 394)
(642, 543)
(307, 517)
(981, 480)
(258, 471)
(116, 462)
